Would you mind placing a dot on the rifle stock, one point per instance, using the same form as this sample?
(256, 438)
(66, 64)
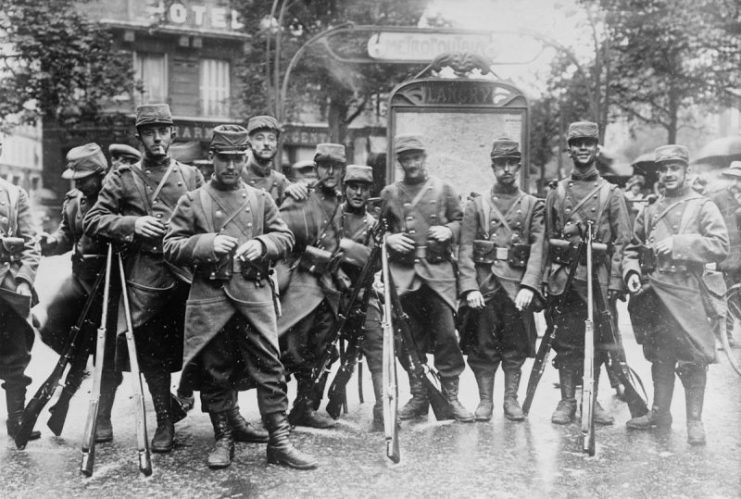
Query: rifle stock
(71, 385)
(337, 394)
(390, 384)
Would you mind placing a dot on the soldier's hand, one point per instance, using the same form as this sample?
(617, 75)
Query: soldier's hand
(633, 282)
(475, 299)
(400, 242)
(224, 244)
(298, 191)
(440, 233)
(251, 250)
(47, 242)
(24, 289)
(524, 298)
(665, 246)
(149, 227)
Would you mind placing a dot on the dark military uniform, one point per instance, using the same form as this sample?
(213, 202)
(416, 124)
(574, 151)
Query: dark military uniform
(19, 260)
(671, 317)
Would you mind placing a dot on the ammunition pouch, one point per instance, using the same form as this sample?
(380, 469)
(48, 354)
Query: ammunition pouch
(561, 251)
(405, 258)
(438, 252)
(151, 246)
(647, 259)
(256, 271)
(487, 252)
(518, 256)
(11, 249)
(484, 251)
(318, 261)
(219, 272)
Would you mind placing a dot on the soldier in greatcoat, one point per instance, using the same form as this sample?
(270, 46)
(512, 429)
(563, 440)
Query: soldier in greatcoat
(500, 272)
(423, 214)
(581, 198)
(230, 232)
(670, 303)
(19, 260)
(132, 210)
(87, 167)
(311, 280)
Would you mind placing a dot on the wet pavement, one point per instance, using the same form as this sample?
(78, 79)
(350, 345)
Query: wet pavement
(495, 459)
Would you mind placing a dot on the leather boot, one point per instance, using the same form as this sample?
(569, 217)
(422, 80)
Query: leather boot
(15, 398)
(512, 409)
(601, 416)
(109, 385)
(485, 381)
(280, 449)
(377, 379)
(303, 414)
(564, 413)
(450, 391)
(660, 414)
(222, 452)
(419, 404)
(164, 435)
(244, 431)
(694, 380)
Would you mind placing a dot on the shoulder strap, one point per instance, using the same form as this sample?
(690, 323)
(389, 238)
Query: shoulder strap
(164, 180)
(661, 217)
(207, 205)
(604, 198)
(690, 212)
(485, 212)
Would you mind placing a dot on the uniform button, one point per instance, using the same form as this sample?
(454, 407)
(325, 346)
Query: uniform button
(406, 205)
(218, 213)
(674, 227)
(180, 183)
(519, 211)
(252, 182)
(249, 224)
(409, 219)
(594, 209)
(571, 184)
(159, 215)
(595, 196)
(412, 231)
(244, 194)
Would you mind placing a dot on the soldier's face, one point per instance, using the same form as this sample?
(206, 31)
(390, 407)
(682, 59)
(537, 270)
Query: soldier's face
(264, 145)
(505, 169)
(583, 151)
(156, 140)
(228, 167)
(329, 173)
(90, 185)
(357, 194)
(413, 164)
(672, 174)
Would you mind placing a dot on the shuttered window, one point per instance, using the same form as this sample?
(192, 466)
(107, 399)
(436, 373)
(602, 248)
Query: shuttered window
(215, 88)
(151, 70)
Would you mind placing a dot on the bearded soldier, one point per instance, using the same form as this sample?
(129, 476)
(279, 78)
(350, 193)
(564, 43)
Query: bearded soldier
(230, 231)
(87, 167)
(132, 210)
(314, 281)
(677, 236)
(500, 262)
(577, 200)
(423, 216)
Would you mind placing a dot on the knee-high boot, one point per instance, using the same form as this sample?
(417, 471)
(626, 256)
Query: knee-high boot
(159, 388)
(660, 414)
(485, 382)
(109, 385)
(694, 380)
(378, 391)
(450, 391)
(280, 448)
(512, 409)
(419, 404)
(566, 409)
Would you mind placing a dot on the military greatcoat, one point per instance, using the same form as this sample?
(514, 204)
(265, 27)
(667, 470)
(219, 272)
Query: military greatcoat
(699, 236)
(267, 179)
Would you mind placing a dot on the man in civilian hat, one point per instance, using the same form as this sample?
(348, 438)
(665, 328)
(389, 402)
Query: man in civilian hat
(132, 211)
(19, 259)
(500, 271)
(315, 283)
(423, 216)
(87, 167)
(582, 198)
(123, 154)
(230, 232)
(264, 133)
(670, 307)
(728, 200)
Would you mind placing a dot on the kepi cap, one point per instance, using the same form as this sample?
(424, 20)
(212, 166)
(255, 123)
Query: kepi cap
(582, 130)
(504, 147)
(262, 122)
(409, 142)
(153, 114)
(734, 170)
(85, 160)
(672, 152)
(230, 139)
(358, 173)
(124, 150)
(330, 152)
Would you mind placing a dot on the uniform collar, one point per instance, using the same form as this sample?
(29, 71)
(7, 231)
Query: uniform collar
(148, 163)
(258, 169)
(590, 174)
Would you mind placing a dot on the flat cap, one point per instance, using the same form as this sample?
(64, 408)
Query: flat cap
(504, 147)
(734, 170)
(359, 173)
(410, 142)
(263, 122)
(672, 152)
(582, 130)
(304, 163)
(83, 161)
(230, 139)
(330, 152)
(124, 150)
(153, 114)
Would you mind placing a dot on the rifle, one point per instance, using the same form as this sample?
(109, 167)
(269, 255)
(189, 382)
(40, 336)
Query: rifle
(554, 311)
(587, 392)
(75, 353)
(390, 384)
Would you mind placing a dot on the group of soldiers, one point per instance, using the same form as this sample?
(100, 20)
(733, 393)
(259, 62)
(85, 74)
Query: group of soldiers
(239, 280)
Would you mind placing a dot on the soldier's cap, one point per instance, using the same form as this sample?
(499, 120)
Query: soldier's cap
(582, 130)
(359, 173)
(330, 152)
(408, 142)
(303, 164)
(672, 152)
(734, 170)
(504, 147)
(230, 139)
(153, 114)
(85, 160)
(262, 122)
(124, 150)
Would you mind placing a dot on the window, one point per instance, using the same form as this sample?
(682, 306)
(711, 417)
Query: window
(151, 70)
(214, 80)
